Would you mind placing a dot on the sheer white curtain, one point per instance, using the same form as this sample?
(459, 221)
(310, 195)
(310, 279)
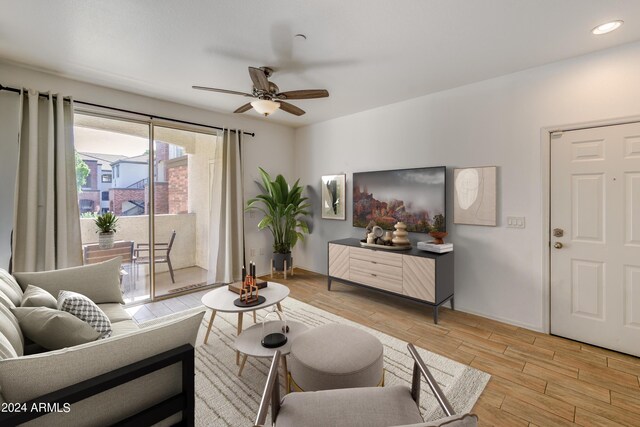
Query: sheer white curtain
(226, 236)
(47, 219)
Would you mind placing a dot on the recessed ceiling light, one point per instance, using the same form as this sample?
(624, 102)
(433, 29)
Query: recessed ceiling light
(607, 27)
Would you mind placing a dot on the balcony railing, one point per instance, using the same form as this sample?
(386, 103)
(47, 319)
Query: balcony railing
(139, 184)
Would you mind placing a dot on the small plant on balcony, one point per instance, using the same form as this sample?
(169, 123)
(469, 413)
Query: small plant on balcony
(107, 224)
(284, 210)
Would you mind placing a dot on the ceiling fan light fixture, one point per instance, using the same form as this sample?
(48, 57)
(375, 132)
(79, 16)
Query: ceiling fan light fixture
(265, 106)
(607, 27)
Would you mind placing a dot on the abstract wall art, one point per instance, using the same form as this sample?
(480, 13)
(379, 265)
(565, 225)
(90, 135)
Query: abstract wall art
(474, 196)
(334, 197)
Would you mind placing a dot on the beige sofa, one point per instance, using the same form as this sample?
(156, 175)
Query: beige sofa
(144, 375)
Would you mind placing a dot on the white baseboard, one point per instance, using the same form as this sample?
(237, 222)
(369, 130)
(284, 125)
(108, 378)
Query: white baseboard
(501, 319)
(536, 328)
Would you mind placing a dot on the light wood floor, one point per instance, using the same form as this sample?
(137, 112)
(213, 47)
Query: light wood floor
(537, 379)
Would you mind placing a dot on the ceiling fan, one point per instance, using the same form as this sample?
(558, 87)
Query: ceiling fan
(268, 95)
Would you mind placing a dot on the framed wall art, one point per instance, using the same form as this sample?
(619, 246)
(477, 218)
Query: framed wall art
(334, 197)
(474, 196)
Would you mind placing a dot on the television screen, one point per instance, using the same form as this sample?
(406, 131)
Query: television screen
(413, 196)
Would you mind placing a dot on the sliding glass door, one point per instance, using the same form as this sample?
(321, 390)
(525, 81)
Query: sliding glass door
(112, 173)
(182, 161)
(121, 166)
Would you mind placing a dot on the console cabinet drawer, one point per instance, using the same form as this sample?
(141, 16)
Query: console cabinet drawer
(375, 280)
(379, 257)
(387, 271)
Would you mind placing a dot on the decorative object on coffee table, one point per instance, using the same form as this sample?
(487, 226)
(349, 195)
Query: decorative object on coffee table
(107, 226)
(274, 329)
(474, 196)
(334, 197)
(400, 235)
(284, 211)
(249, 292)
(437, 229)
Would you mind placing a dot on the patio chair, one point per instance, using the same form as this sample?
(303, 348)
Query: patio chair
(357, 407)
(162, 253)
(92, 254)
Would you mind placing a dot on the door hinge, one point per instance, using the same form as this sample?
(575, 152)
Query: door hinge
(556, 133)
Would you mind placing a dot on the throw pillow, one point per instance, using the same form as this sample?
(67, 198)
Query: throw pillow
(53, 329)
(10, 287)
(37, 297)
(86, 310)
(100, 282)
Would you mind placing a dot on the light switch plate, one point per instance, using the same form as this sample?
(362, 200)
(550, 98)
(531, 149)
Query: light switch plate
(515, 222)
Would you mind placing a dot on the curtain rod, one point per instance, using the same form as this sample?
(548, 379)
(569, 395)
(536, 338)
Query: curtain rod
(151, 116)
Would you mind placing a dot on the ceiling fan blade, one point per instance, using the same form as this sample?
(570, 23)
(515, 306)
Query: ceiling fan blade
(303, 94)
(290, 108)
(213, 89)
(259, 79)
(245, 107)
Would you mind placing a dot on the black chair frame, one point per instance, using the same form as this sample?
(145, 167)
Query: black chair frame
(182, 402)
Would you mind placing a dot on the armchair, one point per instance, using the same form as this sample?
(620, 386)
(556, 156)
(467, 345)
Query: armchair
(357, 407)
(162, 251)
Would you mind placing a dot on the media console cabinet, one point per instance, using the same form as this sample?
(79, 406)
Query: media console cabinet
(421, 276)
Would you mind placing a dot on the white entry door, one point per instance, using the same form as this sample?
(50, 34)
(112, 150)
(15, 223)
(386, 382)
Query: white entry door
(595, 236)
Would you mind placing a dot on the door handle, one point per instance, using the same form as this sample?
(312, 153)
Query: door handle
(558, 245)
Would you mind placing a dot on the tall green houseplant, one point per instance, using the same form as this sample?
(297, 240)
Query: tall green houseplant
(284, 209)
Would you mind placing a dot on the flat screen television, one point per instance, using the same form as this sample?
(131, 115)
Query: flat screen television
(414, 196)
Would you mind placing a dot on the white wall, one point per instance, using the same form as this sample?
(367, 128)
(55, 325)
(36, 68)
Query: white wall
(499, 271)
(272, 147)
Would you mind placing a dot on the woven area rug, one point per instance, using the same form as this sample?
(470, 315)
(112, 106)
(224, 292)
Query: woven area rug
(224, 399)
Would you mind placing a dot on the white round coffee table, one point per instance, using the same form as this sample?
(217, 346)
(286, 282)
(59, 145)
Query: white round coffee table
(249, 344)
(221, 299)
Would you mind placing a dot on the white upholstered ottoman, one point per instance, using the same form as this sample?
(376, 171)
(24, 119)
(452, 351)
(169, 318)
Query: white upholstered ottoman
(335, 356)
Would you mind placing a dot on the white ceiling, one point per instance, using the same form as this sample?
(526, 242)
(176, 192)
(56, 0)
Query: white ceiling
(367, 53)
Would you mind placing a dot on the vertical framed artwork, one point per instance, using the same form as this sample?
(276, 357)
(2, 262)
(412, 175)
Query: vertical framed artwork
(334, 197)
(474, 196)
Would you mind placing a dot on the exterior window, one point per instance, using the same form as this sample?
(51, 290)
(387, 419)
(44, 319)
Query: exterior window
(106, 177)
(87, 183)
(105, 195)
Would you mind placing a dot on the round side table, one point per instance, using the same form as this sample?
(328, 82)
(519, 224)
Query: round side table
(249, 344)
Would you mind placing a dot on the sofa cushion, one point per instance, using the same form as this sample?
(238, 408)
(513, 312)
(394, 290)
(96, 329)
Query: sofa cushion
(124, 327)
(10, 287)
(6, 301)
(6, 349)
(37, 297)
(86, 310)
(349, 407)
(54, 329)
(115, 312)
(462, 420)
(25, 378)
(10, 328)
(100, 282)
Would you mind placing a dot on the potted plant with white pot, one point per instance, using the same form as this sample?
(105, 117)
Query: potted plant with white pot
(284, 209)
(107, 224)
